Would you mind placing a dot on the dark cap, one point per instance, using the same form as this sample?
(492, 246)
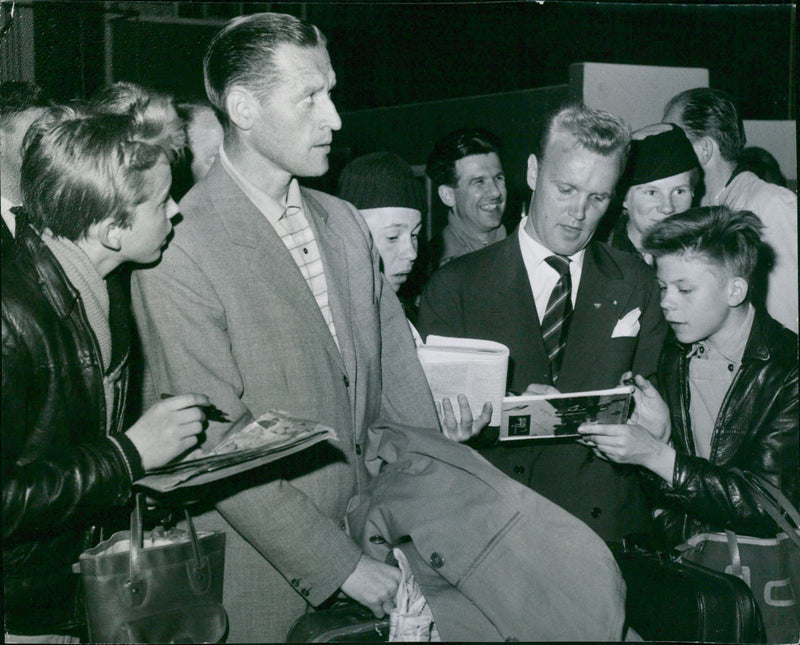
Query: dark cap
(380, 180)
(664, 153)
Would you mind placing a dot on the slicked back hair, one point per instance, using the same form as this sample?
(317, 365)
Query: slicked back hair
(728, 239)
(710, 112)
(80, 167)
(243, 53)
(455, 145)
(596, 130)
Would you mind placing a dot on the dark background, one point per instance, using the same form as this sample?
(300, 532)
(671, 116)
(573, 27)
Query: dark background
(389, 54)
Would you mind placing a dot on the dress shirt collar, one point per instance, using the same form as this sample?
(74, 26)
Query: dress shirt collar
(536, 252)
(732, 347)
(269, 207)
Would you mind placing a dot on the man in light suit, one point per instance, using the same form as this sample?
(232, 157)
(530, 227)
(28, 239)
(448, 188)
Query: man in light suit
(270, 297)
(614, 323)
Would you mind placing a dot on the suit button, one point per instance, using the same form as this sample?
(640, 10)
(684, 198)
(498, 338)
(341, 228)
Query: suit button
(377, 539)
(358, 448)
(304, 592)
(596, 511)
(295, 582)
(518, 470)
(437, 561)
(345, 380)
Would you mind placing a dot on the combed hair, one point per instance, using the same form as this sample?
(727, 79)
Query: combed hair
(157, 119)
(730, 239)
(596, 130)
(80, 167)
(711, 112)
(243, 51)
(455, 145)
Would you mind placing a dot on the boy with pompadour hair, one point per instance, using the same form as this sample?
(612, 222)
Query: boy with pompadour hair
(728, 375)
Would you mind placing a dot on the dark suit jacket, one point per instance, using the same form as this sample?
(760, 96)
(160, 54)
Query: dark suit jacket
(487, 294)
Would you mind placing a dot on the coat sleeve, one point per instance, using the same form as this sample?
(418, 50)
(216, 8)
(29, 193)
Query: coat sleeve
(47, 491)
(188, 349)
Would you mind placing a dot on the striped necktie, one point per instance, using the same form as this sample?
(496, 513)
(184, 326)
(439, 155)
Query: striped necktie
(556, 317)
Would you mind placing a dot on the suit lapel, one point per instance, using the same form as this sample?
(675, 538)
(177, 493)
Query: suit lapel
(602, 294)
(269, 260)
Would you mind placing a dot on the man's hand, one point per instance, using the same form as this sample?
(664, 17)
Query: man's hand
(467, 427)
(649, 410)
(629, 443)
(374, 585)
(168, 429)
(540, 388)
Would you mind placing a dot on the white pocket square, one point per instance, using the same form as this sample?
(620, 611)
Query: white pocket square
(628, 325)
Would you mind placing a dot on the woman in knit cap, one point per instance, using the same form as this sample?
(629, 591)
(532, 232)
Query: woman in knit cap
(659, 180)
(384, 189)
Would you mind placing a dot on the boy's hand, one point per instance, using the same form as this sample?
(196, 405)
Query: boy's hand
(168, 429)
(629, 443)
(649, 410)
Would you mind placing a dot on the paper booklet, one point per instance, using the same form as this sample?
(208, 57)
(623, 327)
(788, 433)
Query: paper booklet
(540, 416)
(270, 437)
(475, 368)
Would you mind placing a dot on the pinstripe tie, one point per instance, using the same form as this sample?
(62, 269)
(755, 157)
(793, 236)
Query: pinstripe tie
(557, 315)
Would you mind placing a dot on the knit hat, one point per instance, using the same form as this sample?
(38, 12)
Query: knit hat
(664, 153)
(379, 180)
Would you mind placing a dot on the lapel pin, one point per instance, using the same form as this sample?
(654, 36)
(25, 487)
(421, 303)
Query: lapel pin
(597, 305)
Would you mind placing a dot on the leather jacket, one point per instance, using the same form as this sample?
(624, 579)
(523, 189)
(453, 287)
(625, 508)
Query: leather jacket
(756, 431)
(62, 473)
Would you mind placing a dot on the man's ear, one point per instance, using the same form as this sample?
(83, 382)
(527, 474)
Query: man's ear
(447, 195)
(108, 233)
(704, 148)
(240, 105)
(533, 171)
(737, 291)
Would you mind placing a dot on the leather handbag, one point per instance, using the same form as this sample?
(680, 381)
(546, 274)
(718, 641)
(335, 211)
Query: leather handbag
(770, 566)
(345, 621)
(683, 602)
(155, 587)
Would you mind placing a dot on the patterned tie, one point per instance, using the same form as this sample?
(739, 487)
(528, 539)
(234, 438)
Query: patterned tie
(556, 317)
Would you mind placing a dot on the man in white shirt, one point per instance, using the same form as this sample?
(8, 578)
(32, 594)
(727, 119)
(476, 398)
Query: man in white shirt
(20, 105)
(712, 123)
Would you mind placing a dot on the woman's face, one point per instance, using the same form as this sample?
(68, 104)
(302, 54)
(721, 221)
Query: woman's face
(648, 204)
(395, 231)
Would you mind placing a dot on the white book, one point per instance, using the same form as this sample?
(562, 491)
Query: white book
(542, 416)
(469, 366)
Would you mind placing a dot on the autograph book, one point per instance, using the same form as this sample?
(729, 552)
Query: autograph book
(540, 416)
(272, 436)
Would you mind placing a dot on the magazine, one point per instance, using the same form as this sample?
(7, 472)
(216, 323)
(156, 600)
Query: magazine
(540, 416)
(272, 436)
(469, 366)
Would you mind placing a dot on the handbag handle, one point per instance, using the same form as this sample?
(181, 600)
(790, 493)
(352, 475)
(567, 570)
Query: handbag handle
(135, 583)
(776, 505)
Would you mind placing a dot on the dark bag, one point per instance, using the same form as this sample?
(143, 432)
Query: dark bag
(170, 592)
(770, 566)
(668, 600)
(345, 622)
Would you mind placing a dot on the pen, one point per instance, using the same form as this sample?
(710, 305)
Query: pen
(212, 412)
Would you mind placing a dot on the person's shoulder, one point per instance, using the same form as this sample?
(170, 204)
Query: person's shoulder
(781, 342)
(628, 264)
(757, 192)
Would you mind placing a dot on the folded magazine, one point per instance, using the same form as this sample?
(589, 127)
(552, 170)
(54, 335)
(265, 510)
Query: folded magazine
(547, 416)
(272, 436)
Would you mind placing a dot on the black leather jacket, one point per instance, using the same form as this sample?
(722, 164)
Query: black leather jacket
(61, 474)
(756, 431)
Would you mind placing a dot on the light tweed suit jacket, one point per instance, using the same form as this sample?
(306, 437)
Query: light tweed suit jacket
(227, 313)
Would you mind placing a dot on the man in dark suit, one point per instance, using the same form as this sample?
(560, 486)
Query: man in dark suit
(607, 320)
